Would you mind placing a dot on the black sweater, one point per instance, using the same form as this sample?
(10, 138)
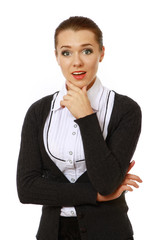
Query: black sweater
(39, 180)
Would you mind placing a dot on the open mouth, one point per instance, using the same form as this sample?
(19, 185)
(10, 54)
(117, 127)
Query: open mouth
(79, 74)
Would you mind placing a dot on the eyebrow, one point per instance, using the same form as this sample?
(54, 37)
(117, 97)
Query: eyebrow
(83, 45)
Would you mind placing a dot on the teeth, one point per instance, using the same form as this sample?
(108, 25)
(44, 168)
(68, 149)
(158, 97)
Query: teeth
(78, 73)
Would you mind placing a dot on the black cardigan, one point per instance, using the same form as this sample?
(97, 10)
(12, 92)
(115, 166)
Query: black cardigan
(39, 180)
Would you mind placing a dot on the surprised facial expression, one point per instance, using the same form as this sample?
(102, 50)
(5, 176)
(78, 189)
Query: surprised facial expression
(78, 54)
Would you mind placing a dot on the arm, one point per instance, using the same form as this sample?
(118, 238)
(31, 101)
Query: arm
(32, 187)
(127, 184)
(107, 161)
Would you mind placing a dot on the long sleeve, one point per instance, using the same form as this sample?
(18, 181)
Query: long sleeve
(32, 186)
(108, 160)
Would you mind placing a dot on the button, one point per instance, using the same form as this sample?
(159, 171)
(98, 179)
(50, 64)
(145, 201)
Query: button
(75, 125)
(72, 212)
(83, 229)
(73, 133)
(72, 179)
(70, 152)
(70, 161)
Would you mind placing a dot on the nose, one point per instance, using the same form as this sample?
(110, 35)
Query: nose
(77, 61)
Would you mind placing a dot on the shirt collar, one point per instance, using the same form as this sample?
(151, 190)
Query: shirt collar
(94, 95)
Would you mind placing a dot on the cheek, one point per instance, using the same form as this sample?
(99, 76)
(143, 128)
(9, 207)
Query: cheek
(63, 64)
(94, 64)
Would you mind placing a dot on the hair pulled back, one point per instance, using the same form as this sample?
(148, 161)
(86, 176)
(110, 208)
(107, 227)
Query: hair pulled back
(79, 23)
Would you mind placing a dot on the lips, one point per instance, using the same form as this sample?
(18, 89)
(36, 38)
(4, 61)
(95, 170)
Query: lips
(79, 74)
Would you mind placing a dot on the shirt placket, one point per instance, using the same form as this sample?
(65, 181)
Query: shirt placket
(71, 153)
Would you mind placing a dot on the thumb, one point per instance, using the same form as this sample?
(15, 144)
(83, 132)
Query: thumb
(131, 165)
(84, 89)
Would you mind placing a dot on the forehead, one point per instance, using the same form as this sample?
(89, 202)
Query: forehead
(76, 38)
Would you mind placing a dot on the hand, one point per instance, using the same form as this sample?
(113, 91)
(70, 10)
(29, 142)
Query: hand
(129, 180)
(77, 101)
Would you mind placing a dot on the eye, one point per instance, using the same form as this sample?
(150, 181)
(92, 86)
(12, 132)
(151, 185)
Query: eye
(87, 51)
(66, 53)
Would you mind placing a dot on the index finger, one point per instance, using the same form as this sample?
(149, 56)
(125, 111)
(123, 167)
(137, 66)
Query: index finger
(134, 177)
(72, 86)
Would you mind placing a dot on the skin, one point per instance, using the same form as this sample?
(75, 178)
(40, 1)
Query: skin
(79, 51)
(129, 180)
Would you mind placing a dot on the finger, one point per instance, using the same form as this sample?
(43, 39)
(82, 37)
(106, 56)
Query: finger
(131, 165)
(63, 103)
(67, 97)
(133, 177)
(71, 92)
(84, 89)
(72, 86)
(124, 188)
(130, 182)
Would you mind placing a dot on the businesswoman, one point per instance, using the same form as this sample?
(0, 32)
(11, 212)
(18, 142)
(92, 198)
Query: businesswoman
(77, 145)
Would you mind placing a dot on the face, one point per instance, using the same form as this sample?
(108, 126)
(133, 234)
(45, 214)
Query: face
(78, 54)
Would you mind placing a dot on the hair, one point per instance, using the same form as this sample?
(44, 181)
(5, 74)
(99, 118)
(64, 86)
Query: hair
(79, 23)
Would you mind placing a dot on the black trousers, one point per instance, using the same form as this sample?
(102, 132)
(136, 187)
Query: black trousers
(69, 229)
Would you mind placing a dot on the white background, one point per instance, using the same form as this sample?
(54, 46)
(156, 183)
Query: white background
(28, 71)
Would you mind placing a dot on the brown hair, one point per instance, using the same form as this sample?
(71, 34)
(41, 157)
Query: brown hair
(79, 23)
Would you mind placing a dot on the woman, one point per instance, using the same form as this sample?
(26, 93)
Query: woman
(77, 145)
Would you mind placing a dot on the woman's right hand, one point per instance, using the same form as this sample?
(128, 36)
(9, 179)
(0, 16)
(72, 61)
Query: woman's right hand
(129, 180)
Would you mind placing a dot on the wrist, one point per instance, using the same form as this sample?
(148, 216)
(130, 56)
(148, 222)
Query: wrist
(89, 112)
(101, 198)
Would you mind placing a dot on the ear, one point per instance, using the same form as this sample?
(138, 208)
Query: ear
(102, 54)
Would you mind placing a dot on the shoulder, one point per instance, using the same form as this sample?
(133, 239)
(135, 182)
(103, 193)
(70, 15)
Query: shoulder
(124, 104)
(41, 107)
(126, 111)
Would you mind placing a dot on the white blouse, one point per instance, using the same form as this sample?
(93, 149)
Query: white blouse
(62, 137)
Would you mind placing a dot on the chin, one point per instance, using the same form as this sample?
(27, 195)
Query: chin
(79, 83)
